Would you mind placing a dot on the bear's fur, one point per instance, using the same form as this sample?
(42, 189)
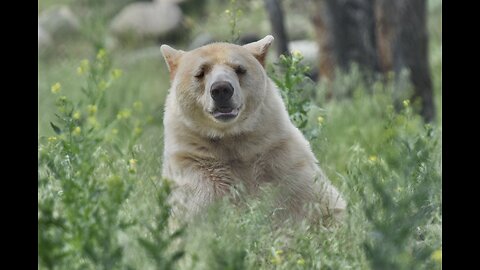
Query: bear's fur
(210, 149)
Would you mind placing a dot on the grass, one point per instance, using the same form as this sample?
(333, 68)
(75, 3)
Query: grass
(101, 197)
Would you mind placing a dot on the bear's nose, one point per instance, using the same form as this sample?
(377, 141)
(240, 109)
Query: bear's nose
(221, 91)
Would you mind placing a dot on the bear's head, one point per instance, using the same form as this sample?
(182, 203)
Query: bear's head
(219, 87)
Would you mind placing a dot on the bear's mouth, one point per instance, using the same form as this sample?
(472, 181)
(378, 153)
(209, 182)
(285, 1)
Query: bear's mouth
(225, 113)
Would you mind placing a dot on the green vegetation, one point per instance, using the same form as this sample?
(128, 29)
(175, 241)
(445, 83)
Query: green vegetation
(102, 202)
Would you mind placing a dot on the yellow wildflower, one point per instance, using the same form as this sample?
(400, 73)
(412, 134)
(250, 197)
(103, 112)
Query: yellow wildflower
(301, 261)
(276, 260)
(296, 54)
(406, 102)
(124, 114)
(77, 130)
(372, 158)
(116, 73)
(320, 120)
(84, 67)
(132, 162)
(101, 54)
(56, 88)
(76, 115)
(437, 255)
(52, 139)
(92, 120)
(132, 165)
(92, 109)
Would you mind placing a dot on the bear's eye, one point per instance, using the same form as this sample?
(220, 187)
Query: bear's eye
(240, 70)
(200, 73)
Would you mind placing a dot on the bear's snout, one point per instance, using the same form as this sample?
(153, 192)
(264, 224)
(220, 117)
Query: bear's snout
(221, 93)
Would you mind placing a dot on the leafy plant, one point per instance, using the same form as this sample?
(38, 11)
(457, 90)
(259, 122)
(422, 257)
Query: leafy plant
(82, 186)
(234, 13)
(296, 88)
(162, 240)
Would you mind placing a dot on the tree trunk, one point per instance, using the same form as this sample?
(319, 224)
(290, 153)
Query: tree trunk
(324, 36)
(385, 19)
(410, 51)
(353, 29)
(380, 36)
(275, 14)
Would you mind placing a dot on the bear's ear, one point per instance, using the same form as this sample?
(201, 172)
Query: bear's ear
(171, 57)
(259, 49)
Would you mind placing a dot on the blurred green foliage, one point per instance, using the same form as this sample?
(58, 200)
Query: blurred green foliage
(101, 201)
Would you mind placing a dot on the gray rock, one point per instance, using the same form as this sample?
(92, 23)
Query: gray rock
(44, 39)
(201, 40)
(308, 48)
(299, 27)
(147, 19)
(170, 1)
(59, 21)
(139, 55)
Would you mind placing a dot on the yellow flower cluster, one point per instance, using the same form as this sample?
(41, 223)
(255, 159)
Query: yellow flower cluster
(77, 131)
(116, 73)
(101, 54)
(77, 115)
(92, 121)
(437, 255)
(297, 54)
(92, 109)
(56, 88)
(277, 258)
(84, 67)
(320, 120)
(124, 114)
(132, 165)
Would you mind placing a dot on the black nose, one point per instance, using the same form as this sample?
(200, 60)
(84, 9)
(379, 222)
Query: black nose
(221, 91)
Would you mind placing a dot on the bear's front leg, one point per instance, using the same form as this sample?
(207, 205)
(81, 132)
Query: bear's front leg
(198, 181)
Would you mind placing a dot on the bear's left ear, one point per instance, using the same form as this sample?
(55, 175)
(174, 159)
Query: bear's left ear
(172, 58)
(259, 49)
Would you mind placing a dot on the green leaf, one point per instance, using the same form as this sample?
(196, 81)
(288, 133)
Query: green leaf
(116, 148)
(55, 128)
(177, 255)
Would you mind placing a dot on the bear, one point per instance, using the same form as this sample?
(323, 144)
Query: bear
(225, 125)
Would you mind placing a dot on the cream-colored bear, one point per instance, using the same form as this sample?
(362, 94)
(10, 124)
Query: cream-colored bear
(226, 126)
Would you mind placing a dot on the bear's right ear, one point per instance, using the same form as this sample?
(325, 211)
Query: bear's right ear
(171, 57)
